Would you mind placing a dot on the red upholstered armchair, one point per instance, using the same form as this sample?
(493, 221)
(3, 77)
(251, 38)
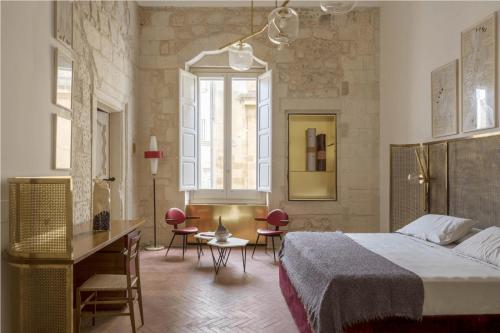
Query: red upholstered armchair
(276, 218)
(174, 217)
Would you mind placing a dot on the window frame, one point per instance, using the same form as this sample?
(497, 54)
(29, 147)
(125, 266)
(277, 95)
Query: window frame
(227, 194)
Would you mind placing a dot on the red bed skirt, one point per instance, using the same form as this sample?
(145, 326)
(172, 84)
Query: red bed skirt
(429, 324)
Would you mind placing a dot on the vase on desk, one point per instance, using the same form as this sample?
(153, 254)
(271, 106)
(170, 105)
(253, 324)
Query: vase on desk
(101, 205)
(221, 234)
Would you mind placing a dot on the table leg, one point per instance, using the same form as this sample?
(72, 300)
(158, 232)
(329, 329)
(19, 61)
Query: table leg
(213, 259)
(244, 257)
(198, 248)
(227, 258)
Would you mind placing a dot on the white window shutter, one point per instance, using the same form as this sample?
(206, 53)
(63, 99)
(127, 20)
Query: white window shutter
(188, 131)
(264, 131)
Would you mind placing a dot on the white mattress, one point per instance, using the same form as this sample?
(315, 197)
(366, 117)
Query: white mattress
(453, 284)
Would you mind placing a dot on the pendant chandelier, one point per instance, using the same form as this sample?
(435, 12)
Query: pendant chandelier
(282, 30)
(337, 7)
(240, 56)
(283, 26)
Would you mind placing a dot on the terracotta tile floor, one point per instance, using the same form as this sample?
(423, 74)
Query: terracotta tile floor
(183, 296)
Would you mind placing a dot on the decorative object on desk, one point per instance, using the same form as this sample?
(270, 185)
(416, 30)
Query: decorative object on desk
(63, 22)
(444, 95)
(311, 149)
(153, 154)
(62, 143)
(101, 205)
(221, 234)
(321, 152)
(63, 79)
(479, 75)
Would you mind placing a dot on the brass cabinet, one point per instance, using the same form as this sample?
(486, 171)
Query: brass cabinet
(309, 180)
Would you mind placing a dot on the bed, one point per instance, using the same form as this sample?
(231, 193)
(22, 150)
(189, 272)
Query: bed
(460, 294)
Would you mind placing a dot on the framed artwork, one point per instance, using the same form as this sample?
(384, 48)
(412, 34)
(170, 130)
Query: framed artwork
(63, 79)
(478, 76)
(63, 22)
(444, 92)
(62, 143)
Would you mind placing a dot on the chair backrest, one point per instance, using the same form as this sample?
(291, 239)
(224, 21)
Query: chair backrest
(276, 216)
(175, 216)
(132, 254)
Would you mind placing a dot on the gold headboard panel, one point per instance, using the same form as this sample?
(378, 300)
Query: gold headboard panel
(438, 174)
(464, 181)
(474, 179)
(407, 198)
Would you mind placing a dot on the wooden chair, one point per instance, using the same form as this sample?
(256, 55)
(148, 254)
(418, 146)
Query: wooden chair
(276, 218)
(126, 283)
(174, 217)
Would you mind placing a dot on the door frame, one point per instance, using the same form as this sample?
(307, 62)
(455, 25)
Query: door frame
(103, 101)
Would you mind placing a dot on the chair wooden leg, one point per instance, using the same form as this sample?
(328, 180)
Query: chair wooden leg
(169, 245)
(131, 309)
(139, 297)
(274, 251)
(78, 309)
(267, 241)
(183, 246)
(95, 309)
(256, 242)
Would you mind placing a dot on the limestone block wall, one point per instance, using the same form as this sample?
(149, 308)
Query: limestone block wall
(105, 54)
(334, 65)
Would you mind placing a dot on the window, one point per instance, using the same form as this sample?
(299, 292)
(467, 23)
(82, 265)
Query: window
(225, 136)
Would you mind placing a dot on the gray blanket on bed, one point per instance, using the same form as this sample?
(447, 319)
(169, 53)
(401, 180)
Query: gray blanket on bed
(342, 283)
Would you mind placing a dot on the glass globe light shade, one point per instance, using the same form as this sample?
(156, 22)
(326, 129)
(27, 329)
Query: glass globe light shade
(337, 7)
(283, 26)
(240, 56)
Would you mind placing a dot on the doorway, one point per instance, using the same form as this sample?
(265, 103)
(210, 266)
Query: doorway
(109, 152)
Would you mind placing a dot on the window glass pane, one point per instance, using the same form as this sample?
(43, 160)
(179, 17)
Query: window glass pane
(211, 131)
(243, 136)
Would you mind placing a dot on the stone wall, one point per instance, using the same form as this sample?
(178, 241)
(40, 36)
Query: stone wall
(105, 53)
(332, 66)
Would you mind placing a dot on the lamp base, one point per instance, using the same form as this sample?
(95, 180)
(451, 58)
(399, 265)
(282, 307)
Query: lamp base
(154, 248)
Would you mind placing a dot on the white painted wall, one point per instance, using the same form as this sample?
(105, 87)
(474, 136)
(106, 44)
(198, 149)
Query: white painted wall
(26, 98)
(416, 38)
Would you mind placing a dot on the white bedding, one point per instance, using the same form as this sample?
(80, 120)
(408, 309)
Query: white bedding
(453, 284)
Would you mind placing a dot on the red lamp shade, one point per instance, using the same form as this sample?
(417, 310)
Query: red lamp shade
(153, 154)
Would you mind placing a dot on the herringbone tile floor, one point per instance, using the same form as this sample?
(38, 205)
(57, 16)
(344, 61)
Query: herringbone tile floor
(183, 296)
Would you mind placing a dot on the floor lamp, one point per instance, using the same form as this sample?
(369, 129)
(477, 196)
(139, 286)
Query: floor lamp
(153, 154)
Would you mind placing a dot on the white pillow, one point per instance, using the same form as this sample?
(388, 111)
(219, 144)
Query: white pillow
(471, 233)
(439, 229)
(485, 246)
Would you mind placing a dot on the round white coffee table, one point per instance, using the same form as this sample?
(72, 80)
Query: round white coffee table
(224, 250)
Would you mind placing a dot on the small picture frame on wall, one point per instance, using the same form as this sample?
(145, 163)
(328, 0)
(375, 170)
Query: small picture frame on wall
(63, 22)
(479, 75)
(62, 143)
(444, 94)
(63, 81)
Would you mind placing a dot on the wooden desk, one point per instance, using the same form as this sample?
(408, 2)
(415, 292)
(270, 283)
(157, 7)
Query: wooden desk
(84, 245)
(42, 290)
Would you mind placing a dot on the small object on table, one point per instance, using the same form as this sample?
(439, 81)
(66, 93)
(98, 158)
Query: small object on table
(101, 205)
(224, 251)
(321, 152)
(221, 234)
(311, 149)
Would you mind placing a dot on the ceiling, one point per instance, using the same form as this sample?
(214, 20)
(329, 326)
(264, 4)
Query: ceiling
(234, 3)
